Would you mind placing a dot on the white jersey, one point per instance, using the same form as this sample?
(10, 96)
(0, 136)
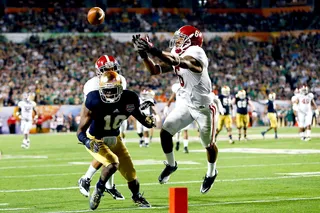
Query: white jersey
(195, 87)
(26, 109)
(93, 84)
(176, 87)
(304, 102)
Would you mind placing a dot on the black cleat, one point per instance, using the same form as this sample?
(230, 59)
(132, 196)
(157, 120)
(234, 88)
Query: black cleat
(165, 174)
(207, 183)
(95, 198)
(185, 150)
(141, 201)
(115, 193)
(84, 186)
(177, 146)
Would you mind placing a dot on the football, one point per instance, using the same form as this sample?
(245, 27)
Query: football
(95, 16)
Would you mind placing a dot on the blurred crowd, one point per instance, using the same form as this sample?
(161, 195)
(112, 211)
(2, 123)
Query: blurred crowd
(74, 20)
(57, 68)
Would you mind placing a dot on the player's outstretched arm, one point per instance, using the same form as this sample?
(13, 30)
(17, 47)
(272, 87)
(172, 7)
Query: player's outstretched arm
(187, 62)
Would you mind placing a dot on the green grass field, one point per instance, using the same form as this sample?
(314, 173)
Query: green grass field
(44, 177)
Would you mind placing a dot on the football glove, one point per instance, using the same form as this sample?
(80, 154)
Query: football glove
(150, 120)
(144, 44)
(146, 104)
(143, 54)
(93, 145)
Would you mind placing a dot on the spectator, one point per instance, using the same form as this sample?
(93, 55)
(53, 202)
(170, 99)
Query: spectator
(12, 124)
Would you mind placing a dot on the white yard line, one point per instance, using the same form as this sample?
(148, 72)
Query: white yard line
(169, 183)
(6, 157)
(300, 173)
(4, 204)
(147, 170)
(198, 205)
(14, 209)
(88, 163)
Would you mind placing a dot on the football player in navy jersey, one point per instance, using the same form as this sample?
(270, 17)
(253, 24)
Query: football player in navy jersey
(225, 119)
(104, 111)
(272, 115)
(242, 118)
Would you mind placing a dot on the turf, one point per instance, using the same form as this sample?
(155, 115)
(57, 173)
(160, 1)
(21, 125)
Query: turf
(247, 182)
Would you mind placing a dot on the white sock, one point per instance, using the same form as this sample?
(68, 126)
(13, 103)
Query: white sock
(146, 140)
(211, 169)
(90, 172)
(170, 159)
(178, 136)
(302, 134)
(308, 133)
(185, 142)
(109, 183)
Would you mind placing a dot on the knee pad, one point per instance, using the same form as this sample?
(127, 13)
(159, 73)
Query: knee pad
(166, 141)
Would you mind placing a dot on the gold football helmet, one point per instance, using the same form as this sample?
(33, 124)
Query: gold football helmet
(225, 90)
(242, 94)
(272, 96)
(110, 87)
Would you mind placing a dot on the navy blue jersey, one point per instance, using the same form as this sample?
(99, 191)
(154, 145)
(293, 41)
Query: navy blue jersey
(226, 103)
(107, 117)
(271, 108)
(242, 105)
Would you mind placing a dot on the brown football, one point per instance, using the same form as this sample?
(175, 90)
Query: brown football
(95, 16)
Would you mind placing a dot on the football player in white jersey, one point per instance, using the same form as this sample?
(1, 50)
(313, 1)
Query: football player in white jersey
(176, 96)
(104, 64)
(302, 106)
(145, 134)
(190, 63)
(25, 113)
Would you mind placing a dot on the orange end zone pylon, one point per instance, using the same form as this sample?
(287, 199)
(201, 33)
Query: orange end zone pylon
(178, 200)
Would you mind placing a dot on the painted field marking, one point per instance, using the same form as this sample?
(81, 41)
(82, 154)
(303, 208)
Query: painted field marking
(24, 157)
(4, 204)
(150, 170)
(169, 183)
(198, 205)
(144, 162)
(14, 209)
(265, 151)
(299, 173)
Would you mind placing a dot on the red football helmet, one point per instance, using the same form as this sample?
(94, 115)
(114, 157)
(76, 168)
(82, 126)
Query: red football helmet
(185, 37)
(107, 63)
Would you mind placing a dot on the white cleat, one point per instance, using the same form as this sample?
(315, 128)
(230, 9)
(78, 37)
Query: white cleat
(307, 139)
(25, 144)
